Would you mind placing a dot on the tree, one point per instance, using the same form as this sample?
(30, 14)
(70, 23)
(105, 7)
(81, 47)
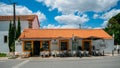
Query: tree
(113, 27)
(18, 31)
(11, 37)
(10, 40)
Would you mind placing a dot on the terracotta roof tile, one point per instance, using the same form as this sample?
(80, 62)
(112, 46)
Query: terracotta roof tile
(65, 33)
(22, 17)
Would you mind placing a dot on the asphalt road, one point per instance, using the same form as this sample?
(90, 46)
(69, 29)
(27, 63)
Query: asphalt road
(104, 62)
(9, 63)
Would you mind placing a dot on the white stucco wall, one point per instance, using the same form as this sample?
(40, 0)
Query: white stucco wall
(3, 46)
(110, 45)
(70, 44)
(4, 27)
(108, 42)
(18, 46)
(96, 43)
(79, 43)
(54, 46)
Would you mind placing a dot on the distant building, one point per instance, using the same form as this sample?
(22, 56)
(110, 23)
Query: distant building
(27, 21)
(35, 40)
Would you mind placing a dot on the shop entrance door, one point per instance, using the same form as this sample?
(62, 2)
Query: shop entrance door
(36, 50)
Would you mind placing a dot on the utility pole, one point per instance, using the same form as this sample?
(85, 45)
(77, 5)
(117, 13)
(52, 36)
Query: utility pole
(14, 20)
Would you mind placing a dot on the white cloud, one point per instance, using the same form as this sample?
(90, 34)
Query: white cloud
(41, 16)
(70, 6)
(20, 10)
(109, 14)
(98, 28)
(71, 19)
(52, 26)
(8, 9)
(104, 24)
(60, 26)
(95, 16)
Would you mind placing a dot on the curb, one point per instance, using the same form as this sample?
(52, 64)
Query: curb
(60, 58)
(4, 58)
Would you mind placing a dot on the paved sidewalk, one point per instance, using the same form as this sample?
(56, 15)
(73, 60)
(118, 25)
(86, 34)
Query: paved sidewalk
(66, 58)
(4, 58)
(60, 58)
(112, 55)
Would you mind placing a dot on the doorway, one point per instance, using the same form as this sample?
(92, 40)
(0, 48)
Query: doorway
(36, 48)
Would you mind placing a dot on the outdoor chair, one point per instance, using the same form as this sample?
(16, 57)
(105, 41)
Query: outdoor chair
(79, 54)
(87, 53)
(57, 53)
(25, 54)
(100, 52)
(97, 53)
(53, 53)
(82, 53)
(93, 52)
(42, 54)
(47, 54)
(64, 53)
(69, 53)
(74, 53)
(61, 54)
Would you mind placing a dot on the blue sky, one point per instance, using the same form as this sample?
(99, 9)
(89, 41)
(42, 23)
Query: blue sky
(65, 13)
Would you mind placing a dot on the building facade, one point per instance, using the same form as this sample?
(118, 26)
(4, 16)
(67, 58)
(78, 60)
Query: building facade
(36, 41)
(27, 21)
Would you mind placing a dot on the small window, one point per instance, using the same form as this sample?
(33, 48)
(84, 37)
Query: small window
(64, 46)
(27, 46)
(45, 45)
(5, 39)
(30, 25)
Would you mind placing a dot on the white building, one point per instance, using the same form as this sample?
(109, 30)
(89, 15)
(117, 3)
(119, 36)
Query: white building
(27, 21)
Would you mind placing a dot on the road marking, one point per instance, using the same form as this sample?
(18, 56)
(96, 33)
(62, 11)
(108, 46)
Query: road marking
(20, 64)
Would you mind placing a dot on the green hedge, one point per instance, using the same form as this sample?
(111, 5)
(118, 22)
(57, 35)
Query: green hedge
(3, 55)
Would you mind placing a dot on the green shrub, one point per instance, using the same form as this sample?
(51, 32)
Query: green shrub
(3, 55)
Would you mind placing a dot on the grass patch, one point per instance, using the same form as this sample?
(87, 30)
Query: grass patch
(3, 55)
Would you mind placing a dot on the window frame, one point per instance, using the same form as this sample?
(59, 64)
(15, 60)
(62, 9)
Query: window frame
(43, 44)
(5, 38)
(27, 46)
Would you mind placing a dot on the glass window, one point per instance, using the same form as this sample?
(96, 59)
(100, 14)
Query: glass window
(27, 45)
(5, 39)
(63, 45)
(45, 45)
